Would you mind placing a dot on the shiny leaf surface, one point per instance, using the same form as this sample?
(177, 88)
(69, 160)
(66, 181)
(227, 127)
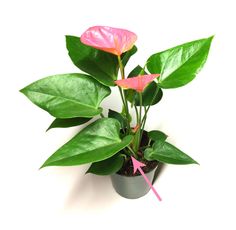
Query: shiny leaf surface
(101, 65)
(165, 152)
(68, 95)
(179, 65)
(157, 135)
(69, 122)
(98, 141)
(126, 56)
(108, 166)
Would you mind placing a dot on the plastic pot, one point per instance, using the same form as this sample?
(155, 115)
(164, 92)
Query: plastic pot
(132, 187)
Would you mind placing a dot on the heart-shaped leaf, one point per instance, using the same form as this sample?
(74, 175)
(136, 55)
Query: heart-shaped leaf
(68, 95)
(165, 152)
(69, 122)
(101, 65)
(179, 65)
(108, 166)
(148, 93)
(98, 141)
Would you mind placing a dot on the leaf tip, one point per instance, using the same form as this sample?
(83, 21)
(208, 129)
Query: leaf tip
(22, 90)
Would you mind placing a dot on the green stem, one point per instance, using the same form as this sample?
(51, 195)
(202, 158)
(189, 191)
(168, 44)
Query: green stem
(146, 110)
(136, 111)
(124, 100)
(122, 70)
(138, 133)
(132, 151)
(140, 107)
(125, 106)
(140, 120)
(102, 116)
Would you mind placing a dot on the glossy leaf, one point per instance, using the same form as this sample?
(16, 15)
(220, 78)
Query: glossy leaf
(100, 65)
(108, 166)
(69, 122)
(126, 56)
(147, 94)
(157, 135)
(98, 141)
(179, 65)
(165, 152)
(68, 95)
(119, 117)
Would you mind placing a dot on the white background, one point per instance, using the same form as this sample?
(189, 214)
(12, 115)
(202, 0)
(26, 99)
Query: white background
(199, 118)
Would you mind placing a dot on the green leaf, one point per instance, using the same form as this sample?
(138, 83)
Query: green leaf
(157, 135)
(167, 153)
(108, 166)
(179, 65)
(147, 94)
(68, 95)
(69, 122)
(98, 141)
(101, 65)
(119, 117)
(126, 56)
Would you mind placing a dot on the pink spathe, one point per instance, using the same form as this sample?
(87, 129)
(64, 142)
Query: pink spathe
(109, 39)
(137, 83)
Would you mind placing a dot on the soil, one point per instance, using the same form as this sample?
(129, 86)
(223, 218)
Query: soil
(127, 168)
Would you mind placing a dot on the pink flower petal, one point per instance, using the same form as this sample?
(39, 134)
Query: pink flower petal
(135, 129)
(137, 83)
(109, 39)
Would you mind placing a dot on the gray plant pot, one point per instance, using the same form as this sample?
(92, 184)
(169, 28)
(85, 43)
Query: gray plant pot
(132, 187)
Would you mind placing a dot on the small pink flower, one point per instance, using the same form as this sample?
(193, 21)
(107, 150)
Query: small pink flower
(112, 40)
(135, 129)
(137, 83)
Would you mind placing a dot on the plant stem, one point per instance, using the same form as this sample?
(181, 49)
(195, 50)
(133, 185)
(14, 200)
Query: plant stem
(102, 116)
(126, 110)
(138, 133)
(122, 70)
(124, 100)
(137, 116)
(140, 120)
(132, 151)
(146, 110)
(140, 108)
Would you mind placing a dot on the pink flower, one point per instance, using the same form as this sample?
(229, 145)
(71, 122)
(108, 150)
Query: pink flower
(112, 40)
(135, 129)
(137, 83)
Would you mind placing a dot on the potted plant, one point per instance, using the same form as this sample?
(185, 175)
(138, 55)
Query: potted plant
(110, 142)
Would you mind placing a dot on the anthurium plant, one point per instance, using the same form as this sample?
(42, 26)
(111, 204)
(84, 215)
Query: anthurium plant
(109, 142)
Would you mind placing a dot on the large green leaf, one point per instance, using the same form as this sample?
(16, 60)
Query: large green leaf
(157, 135)
(68, 95)
(98, 141)
(69, 122)
(179, 65)
(147, 94)
(101, 65)
(108, 166)
(167, 153)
